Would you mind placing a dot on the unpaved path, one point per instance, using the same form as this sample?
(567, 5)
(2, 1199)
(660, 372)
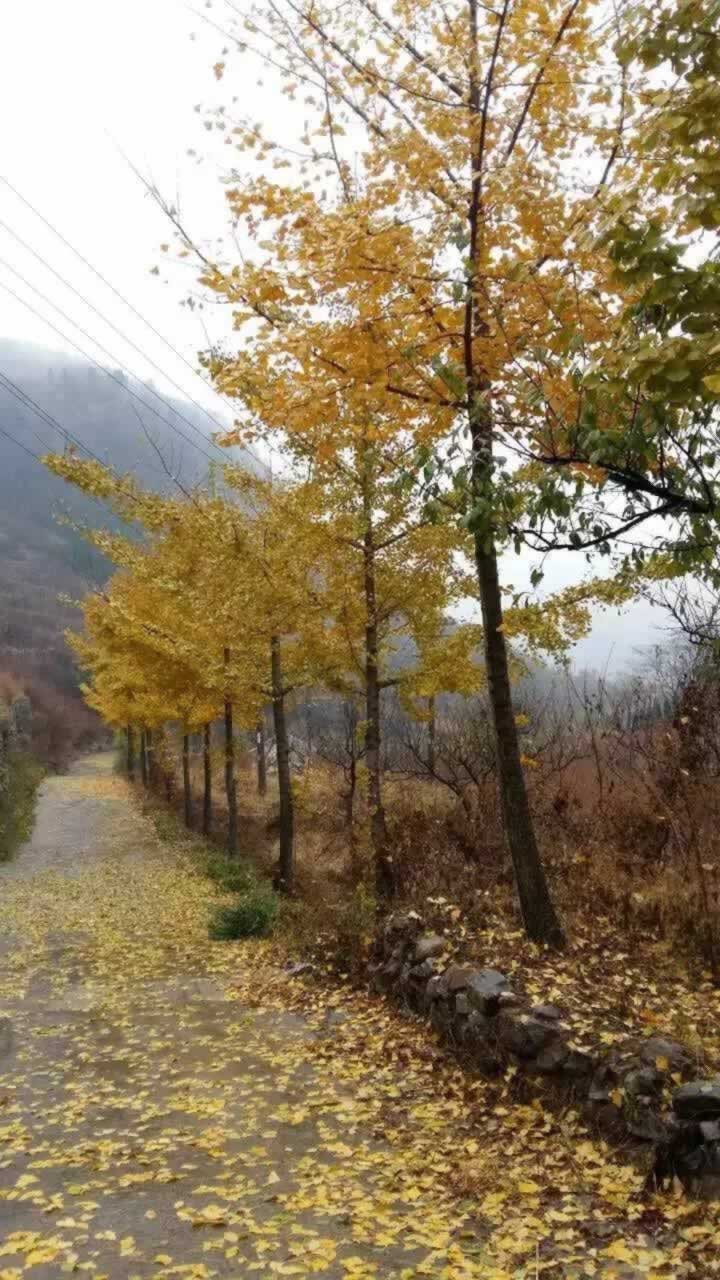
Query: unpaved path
(149, 1124)
(175, 1107)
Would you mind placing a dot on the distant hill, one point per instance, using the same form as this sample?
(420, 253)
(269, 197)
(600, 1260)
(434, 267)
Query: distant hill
(40, 559)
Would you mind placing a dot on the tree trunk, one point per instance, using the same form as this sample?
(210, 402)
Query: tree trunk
(150, 753)
(286, 859)
(538, 912)
(207, 781)
(431, 734)
(130, 735)
(143, 758)
(349, 796)
(187, 789)
(261, 760)
(230, 780)
(384, 874)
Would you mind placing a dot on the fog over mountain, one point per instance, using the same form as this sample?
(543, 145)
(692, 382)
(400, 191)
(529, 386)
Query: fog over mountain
(41, 558)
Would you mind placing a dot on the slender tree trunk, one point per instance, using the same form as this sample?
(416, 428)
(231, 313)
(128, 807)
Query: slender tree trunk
(130, 735)
(350, 794)
(261, 758)
(384, 874)
(143, 758)
(207, 780)
(286, 860)
(539, 916)
(187, 789)
(431, 734)
(230, 779)
(150, 752)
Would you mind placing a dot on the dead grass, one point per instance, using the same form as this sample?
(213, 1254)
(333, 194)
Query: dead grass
(623, 864)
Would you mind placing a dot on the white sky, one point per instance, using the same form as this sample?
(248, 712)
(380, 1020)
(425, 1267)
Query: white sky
(78, 77)
(74, 76)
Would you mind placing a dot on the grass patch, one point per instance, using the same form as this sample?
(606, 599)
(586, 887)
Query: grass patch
(254, 912)
(252, 916)
(20, 777)
(229, 874)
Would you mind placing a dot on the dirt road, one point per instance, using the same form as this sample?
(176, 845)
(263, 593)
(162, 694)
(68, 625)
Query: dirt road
(150, 1124)
(175, 1107)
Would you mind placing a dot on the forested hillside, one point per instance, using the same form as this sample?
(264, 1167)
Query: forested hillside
(44, 562)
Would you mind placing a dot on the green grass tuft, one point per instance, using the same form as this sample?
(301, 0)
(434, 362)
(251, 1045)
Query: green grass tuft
(229, 874)
(20, 777)
(252, 916)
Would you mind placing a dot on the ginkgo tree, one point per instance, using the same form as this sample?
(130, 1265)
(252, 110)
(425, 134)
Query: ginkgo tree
(230, 602)
(420, 271)
(218, 595)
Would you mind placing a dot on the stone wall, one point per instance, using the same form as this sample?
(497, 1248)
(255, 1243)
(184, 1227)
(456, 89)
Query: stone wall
(631, 1090)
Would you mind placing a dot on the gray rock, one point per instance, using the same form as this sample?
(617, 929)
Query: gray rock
(441, 1015)
(407, 923)
(479, 1028)
(462, 1004)
(552, 1058)
(699, 1100)
(6, 1036)
(420, 972)
(550, 1012)
(605, 1079)
(643, 1082)
(579, 1065)
(710, 1130)
(643, 1122)
(457, 978)
(429, 945)
(525, 1036)
(658, 1047)
(435, 989)
(485, 989)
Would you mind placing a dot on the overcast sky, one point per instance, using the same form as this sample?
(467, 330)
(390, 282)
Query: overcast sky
(82, 81)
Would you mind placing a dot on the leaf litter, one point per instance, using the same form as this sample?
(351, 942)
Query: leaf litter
(178, 1107)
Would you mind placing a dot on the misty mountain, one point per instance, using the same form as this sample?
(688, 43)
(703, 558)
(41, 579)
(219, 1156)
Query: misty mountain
(42, 558)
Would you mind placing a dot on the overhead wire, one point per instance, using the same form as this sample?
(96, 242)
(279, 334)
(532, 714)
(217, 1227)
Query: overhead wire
(111, 325)
(207, 381)
(86, 355)
(27, 402)
(118, 364)
(7, 383)
(20, 445)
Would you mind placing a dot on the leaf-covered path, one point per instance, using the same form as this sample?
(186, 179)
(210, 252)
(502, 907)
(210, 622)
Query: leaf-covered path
(150, 1124)
(175, 1107)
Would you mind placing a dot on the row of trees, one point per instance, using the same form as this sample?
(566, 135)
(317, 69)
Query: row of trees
(224, 605)
(467, 309)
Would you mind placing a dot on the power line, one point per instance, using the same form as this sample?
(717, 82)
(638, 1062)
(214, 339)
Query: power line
(28, 403)
(118, 331)
(107, 283)
(69, 320)
(20, 445)
(107, 372)
(207, 381)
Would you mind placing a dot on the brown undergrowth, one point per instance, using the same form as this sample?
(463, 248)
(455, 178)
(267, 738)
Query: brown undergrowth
(638, 925)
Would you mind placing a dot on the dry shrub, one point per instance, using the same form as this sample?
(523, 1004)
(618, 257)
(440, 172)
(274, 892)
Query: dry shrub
(627, 813)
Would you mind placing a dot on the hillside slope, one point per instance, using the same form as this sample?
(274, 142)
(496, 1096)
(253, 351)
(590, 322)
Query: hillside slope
(42, 559)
